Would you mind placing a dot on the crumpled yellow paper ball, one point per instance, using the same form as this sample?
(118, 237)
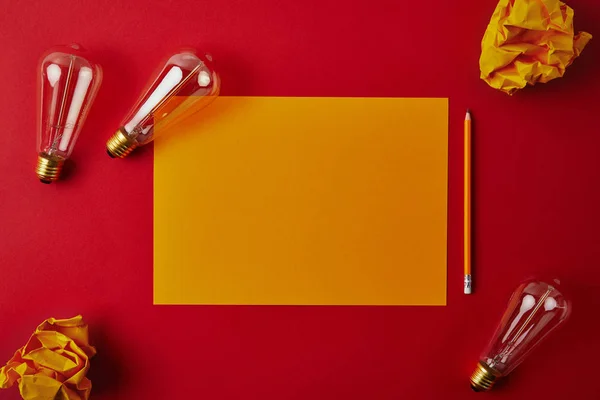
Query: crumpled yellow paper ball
(529, 41)
(54, 362)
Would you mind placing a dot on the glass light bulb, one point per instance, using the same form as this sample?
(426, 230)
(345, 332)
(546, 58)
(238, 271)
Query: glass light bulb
(185, 84)
(67, 86)
(535, 309)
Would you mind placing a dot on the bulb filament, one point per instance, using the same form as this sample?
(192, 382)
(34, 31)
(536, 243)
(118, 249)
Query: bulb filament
(516, 340)
(59, 124)
(167, 97)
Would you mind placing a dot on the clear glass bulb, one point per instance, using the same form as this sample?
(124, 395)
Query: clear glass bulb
(535, 309)
(185, 84)
(67, 86)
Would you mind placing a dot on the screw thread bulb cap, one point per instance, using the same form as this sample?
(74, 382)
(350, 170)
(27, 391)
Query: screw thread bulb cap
(483, 378)
(49, 167)
(120, 145)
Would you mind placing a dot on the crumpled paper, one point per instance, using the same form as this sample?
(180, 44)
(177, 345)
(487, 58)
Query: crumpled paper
(529, 41)
(54, 362)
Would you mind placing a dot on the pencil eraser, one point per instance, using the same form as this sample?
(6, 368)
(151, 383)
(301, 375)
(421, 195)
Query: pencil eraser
(467, 284)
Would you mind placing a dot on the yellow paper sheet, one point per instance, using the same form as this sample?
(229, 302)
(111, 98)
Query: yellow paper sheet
(54, 362)
(529, 41)
(303, 201)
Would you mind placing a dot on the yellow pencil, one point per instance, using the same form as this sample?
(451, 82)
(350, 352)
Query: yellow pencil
(467, 204)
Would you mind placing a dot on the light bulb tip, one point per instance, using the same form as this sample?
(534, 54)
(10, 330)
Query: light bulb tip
(109, 153)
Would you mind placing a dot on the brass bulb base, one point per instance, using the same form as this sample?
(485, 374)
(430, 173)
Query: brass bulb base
(49, 167)
(483, 378)
(119, 145)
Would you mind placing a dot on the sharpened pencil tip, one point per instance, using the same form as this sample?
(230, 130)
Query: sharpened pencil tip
(468, 115)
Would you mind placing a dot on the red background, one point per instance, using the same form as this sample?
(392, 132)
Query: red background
(84, 245)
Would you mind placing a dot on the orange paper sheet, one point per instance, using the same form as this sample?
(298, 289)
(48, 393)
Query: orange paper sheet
(303, 201)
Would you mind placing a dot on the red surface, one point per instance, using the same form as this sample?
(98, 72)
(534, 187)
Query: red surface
(85, 245)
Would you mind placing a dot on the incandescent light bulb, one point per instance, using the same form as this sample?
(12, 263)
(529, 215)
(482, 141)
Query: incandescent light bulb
(184, 85)
(68, 86)
(535, 309)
